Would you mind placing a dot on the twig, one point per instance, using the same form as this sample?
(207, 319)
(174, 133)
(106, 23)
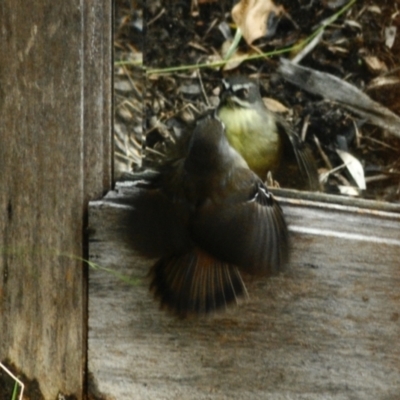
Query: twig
(323, 155)
(15, 378)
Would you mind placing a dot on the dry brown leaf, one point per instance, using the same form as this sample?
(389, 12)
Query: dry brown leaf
(348, 190)
(274, 105)
(354, 166)
(383, 81)
(375, 65)
(390, 36)
(374, 9)
(251, 16)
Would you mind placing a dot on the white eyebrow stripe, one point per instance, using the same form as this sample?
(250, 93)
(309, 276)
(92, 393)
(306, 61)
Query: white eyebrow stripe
(226, 84)
(239, 86)
(343, 235)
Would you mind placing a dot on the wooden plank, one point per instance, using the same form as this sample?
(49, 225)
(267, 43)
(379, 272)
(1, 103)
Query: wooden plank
(326, 328)
(55, 120)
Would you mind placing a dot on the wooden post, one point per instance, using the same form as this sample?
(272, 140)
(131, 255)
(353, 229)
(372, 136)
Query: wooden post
(55, 155)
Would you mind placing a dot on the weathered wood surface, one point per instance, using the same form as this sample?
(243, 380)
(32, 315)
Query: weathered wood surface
(328, 327)
(55, 154)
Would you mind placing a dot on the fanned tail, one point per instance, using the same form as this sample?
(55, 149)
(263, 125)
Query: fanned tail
(195, 283)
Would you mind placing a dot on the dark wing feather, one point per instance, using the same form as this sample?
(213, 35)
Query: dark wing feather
(153, 224)
(307, 165)
(250, 233)
(302, 154)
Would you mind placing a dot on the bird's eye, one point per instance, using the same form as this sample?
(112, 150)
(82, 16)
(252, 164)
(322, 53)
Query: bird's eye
(242, 93)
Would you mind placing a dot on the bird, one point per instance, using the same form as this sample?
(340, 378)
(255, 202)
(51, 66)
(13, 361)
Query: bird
(264, 139)
(207, 218)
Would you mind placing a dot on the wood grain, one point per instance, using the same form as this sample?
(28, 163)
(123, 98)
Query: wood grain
(326, 328)
(55, 155)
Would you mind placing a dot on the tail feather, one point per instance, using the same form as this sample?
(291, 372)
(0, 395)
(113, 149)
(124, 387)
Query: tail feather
(195, 283)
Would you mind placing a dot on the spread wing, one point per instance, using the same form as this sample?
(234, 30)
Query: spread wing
(246, 229)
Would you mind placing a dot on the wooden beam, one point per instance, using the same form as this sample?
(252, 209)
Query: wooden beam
(55, 154)
(326, 328)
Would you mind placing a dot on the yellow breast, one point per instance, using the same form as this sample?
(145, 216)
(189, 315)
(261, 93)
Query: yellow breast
(254, 136)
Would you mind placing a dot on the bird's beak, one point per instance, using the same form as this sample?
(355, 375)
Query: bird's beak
(225, 96)
(227, 99)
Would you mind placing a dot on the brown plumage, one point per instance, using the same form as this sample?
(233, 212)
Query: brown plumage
(209, 218)
(195, 282)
